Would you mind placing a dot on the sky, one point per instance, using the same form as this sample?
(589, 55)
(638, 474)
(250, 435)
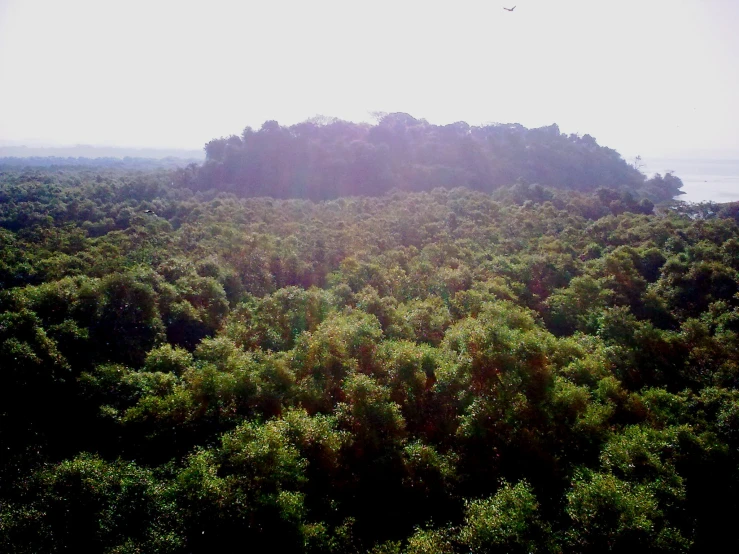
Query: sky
(649, 77)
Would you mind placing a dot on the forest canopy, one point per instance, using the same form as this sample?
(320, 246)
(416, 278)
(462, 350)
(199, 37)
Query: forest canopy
(524, 368)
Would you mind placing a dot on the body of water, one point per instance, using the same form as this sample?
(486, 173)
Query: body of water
(715, 180)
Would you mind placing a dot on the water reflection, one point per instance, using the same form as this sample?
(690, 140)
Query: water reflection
(715, 180)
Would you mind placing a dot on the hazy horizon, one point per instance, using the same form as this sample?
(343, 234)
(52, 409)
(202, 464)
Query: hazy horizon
(679, 158)
(665, 155)
(641, 77)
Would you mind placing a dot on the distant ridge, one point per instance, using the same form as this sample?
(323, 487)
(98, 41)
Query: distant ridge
(87, 151)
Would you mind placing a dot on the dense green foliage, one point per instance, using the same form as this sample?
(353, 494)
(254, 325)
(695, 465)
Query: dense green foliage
(328, 158)
(446, 371)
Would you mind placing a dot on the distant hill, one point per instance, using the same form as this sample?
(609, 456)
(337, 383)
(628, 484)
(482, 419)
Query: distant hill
(330, 158)
(86, 151)
(127, 163)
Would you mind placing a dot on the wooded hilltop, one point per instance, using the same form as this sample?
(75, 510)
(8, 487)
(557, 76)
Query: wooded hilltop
(326, 158)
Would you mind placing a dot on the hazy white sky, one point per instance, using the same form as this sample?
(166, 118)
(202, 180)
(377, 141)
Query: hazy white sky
(642, 76)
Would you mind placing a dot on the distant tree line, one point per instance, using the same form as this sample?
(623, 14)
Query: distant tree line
(328, 158)
(52, 162)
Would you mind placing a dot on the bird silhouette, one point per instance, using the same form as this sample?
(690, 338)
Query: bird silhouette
(509, 9)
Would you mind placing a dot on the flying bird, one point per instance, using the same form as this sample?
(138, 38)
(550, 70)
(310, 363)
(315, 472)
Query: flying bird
(149, 212)
(509, 9)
